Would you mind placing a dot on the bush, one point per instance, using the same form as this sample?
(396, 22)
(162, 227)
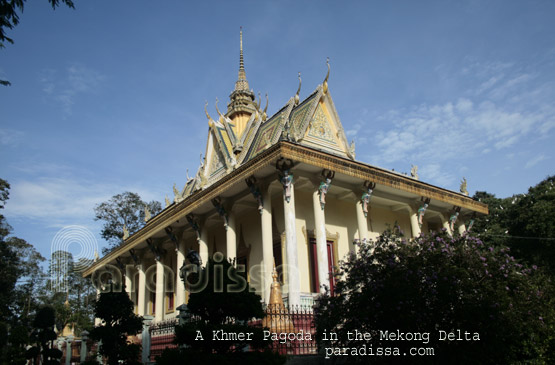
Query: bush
(435, 283)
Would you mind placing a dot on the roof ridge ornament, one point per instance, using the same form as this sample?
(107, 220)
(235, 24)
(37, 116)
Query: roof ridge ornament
(264, 115)
(298, 91)
(325, 85)
(210, 120)
(222, 119)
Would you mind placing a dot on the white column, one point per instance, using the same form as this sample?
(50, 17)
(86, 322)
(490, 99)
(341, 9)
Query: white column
(267, 241)
(362, 223)
(128, 280)
(203, 244)
(445, 224)
(231, 237)
(180, 286)
(415, 227)
(142, 291)
(293, 280)
(321, 244)
(462, 229)
(159, 315)
(97, 320)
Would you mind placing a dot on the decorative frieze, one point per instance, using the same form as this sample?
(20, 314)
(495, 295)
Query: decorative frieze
(156, 250)
(255, 191)
(324, 186)
(172, 237)
(454, 217)
(284, 165)
(366, 195)
(422, 210)
(193, 222)
(217, 203)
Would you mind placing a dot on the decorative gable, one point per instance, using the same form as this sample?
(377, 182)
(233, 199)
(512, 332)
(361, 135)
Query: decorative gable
(325, 132)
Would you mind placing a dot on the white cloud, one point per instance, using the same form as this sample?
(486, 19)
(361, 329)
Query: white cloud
(10, 137)
(471, 125)
(535, 160)
(433, 173)
(59, 202)
(76, 79)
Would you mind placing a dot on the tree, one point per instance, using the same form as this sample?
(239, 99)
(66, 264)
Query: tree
(435, 283)
(115, 310)
(43, 336)
(19, 262)
(524, 222)
(71, 295)
(126, 209)
(9, 18)
(221, 300)
(531, 225)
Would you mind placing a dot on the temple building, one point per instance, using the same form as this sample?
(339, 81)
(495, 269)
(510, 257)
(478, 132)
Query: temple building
(284, 189)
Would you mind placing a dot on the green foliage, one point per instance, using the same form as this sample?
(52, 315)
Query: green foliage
(441, 283)
(524, 222)
(66, 283)
(43, 336)
(9, 16)
(115, 309)
(126, 209)
(19, 262)
(228, 309)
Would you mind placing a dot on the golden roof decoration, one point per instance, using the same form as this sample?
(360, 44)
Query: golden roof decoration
(325, 84)
(298, 91)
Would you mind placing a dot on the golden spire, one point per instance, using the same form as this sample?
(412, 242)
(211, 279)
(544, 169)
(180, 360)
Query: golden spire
(240, 108)
(242, 83)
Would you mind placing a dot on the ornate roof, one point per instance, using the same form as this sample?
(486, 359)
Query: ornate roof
(245, 131)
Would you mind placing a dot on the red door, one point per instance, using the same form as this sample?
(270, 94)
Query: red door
(313, 257)
(331, 266)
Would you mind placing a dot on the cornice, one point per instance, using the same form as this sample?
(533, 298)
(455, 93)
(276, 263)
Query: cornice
(296, 153)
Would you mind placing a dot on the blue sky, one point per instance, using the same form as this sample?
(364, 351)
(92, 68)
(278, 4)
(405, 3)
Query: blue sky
(109, 97)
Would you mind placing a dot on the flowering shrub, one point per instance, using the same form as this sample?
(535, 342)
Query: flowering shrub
(440, 283)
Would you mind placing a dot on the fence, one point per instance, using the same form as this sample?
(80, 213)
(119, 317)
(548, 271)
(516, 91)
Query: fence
(292, 331)
(92, 348)
(161, 337)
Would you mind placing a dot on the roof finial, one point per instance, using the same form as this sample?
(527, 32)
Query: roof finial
(298, 91)
(264, 115)
(210, 121)
(241, 62)
(242, 83)
(327, 76)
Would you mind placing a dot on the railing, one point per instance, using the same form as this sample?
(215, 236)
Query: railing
(161, 337)
(292, 331)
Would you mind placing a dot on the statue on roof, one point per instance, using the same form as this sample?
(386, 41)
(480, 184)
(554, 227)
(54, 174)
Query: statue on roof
(125, 232)
(414, 171)
(463, 188)
(147, 214)
(352, 149)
